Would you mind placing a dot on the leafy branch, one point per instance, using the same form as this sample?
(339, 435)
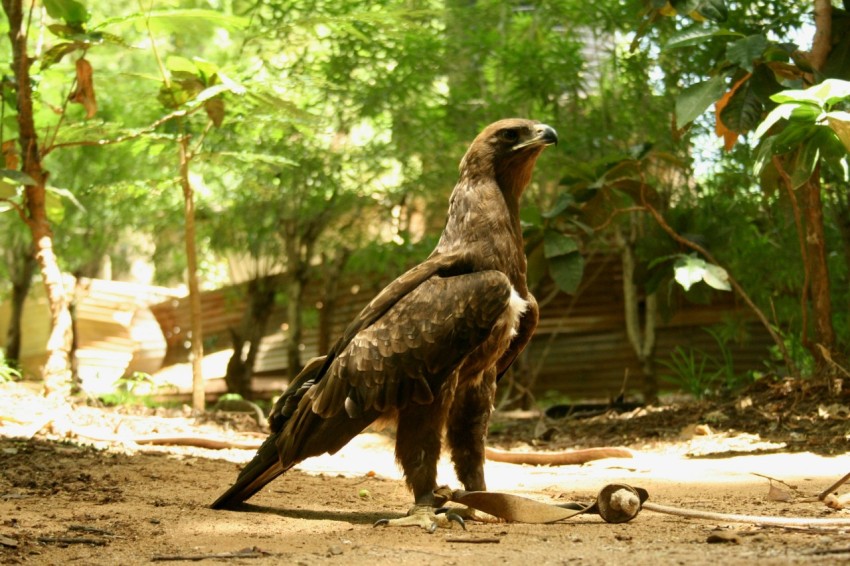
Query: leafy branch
(662, 223)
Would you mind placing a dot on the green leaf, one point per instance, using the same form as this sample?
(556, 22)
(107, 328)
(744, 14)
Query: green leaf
(8, 190)
(697, 35)
(764, 84)
(64, 194)
(781, 112)
(252, 158)
(713, 10)
(716, 277)
(747, 50)
(530, 216)
(565, 200)
(57, 52)
(695, 99)
(824, 94)
(793, 134)
(567, 271)
(743, 111)
(840, 124)
(685, 6)
(15, 177)
(176, 64)
(804, 163)
(71, 11)
(764, 154)
(690, 269)
(174, 19)
(557, 244)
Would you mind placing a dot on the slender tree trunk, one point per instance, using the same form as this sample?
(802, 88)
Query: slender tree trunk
(294, 316)
(330, 293)
(642, 341)
(21, 283)
(198, 392)
(240, 369)
(824, 333)
(823, 348)
(57, 368)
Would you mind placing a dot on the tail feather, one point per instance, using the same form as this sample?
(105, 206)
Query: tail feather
(265, 467)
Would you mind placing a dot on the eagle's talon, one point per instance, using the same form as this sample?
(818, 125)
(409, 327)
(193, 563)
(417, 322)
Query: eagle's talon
(424, 517)
(452, 516)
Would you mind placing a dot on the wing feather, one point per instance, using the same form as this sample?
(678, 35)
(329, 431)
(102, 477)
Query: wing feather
(407, 354)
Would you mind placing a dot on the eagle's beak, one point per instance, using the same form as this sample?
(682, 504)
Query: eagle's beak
(543, 135)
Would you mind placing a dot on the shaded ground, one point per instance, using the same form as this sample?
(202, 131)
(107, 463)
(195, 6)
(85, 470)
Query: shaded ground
(133, 503)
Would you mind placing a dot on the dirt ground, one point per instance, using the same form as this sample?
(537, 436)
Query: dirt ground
(77, 487)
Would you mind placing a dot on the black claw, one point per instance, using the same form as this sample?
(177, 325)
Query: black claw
(432, 528)
(441, 510)
(381, 522)
(451, 516)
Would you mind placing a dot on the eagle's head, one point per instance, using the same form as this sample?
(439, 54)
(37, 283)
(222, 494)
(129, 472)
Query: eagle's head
(507, 151)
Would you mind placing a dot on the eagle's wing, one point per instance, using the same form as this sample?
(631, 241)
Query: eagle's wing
(406, 355)
(401, 349)
(316, 369)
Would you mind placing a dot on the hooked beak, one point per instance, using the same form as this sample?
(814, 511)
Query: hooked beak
(543, 135)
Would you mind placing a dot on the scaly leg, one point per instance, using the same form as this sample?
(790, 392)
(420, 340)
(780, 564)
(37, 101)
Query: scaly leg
(418, 444)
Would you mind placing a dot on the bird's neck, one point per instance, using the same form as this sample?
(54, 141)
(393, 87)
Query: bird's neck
(483, 225)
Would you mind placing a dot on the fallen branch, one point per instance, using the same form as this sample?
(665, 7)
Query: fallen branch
(833, 487)
(73, 540)
(244, 553)
(569, 458)
(168, 440)
(471, 540)
(754, 519)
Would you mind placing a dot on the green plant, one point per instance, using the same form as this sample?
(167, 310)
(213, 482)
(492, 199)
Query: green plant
(689, 372)
(128, 390)
(699, 373)
(7, 372)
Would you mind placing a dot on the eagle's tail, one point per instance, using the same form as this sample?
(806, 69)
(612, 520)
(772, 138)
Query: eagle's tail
(265, 467)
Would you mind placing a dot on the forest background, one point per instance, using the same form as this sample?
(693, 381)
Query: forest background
(703, 141)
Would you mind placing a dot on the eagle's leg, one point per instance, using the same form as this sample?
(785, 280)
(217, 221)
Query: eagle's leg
(418, 444)
(469, 419)
(468, 422)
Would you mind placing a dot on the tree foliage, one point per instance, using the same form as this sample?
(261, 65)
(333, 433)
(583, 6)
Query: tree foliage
(321, 130)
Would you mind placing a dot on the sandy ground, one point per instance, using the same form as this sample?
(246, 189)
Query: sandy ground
(78, 501)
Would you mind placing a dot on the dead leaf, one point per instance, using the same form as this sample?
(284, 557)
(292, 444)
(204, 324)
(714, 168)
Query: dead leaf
(10, 154)
(84, 91)
(776, 493)
(729, 137)
(214, 108)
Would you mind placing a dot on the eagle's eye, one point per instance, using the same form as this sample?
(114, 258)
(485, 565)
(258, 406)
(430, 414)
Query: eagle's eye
(510, 135)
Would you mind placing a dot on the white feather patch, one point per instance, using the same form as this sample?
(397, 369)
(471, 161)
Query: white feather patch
(516, 308)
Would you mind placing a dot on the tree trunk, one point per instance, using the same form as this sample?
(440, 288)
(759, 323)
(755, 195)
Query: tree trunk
(198, 393)
(333, 271)
(642, 342)
(21, 283)
(57, 368)
(823, 346)
(240, 369)
(294, 317)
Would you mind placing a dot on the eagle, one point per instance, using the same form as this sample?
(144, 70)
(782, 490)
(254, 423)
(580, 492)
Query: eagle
(427, 352)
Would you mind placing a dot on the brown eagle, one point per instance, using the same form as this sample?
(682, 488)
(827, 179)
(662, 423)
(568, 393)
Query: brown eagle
(427, 352)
